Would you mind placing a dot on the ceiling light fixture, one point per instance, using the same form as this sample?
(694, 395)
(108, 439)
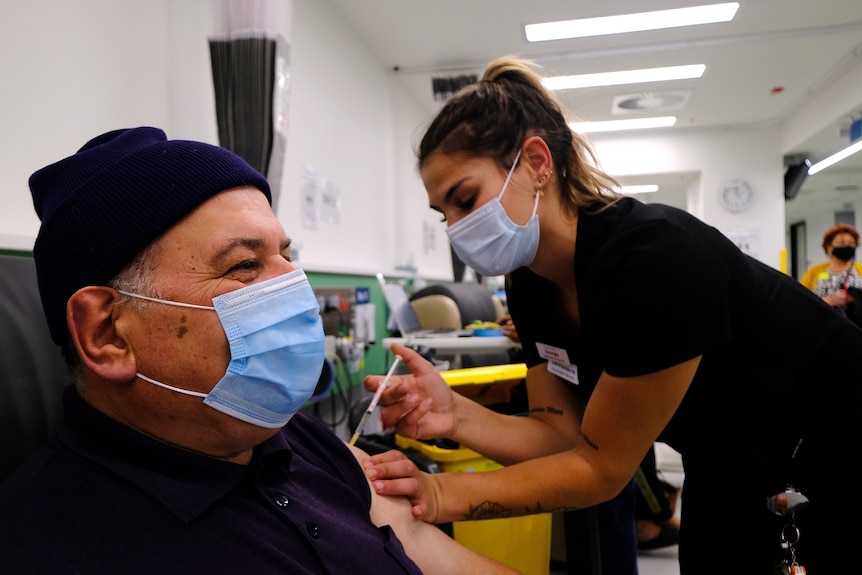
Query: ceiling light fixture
(834, 158)
(620, 125)
(662, 74)
(657, 20)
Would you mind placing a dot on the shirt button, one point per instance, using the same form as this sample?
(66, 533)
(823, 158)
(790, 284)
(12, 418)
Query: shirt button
(281, 500)
(313, 530)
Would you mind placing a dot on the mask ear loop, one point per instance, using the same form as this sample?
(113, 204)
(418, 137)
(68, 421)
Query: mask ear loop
(509, 175)
(539, 194)
(540, 191)
(164, 301)
(172, 388)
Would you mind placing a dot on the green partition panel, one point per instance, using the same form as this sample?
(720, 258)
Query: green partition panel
(375, 356)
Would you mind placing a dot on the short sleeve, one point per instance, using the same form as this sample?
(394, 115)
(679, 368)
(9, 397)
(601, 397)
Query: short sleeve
(655, 295)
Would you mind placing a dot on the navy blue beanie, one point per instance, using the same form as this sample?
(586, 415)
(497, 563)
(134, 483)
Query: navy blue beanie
(102, 206)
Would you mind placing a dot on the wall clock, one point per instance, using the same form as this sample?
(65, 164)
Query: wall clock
(737, 195)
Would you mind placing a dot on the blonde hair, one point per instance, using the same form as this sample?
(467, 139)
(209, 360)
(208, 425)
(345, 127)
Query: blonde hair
(509, 104)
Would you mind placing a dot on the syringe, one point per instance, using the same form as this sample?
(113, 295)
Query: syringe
(374, 401)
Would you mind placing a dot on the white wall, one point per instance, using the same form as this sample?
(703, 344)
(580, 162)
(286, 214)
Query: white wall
(74, 70)
(718, 156)
(340, 126)
(352, 122)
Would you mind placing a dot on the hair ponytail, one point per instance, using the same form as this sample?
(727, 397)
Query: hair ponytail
(509, 104)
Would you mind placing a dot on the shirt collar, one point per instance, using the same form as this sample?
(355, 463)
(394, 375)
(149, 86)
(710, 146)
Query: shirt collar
(185, 483)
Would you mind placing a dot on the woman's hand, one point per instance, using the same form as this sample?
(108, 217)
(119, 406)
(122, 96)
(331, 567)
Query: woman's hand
(507, 327)
(420, 405)
(837, 298)
(393, 473)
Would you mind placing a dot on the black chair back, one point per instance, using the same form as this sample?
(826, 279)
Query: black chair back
(32, 370)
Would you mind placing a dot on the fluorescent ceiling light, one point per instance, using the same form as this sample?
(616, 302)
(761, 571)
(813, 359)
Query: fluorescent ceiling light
(619, 125)
(639, 189)
(624, 77)
(834, 158)
(631, 22)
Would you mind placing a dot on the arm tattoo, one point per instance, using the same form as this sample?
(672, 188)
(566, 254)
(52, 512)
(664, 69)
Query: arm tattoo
(589, 442)
(539, 508)
(549, 409)
(491, 510)
(487, 510)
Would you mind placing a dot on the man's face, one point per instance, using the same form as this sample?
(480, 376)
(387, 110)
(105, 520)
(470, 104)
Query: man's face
(230, 241)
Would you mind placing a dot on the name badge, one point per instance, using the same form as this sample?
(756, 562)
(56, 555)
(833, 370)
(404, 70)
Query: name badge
(568, 372)
(558, 362)
(552, 353)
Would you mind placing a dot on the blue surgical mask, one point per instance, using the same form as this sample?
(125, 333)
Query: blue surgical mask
(276, 347)
(488, 240)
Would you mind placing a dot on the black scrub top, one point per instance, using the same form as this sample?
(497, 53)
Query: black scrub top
(656, 287)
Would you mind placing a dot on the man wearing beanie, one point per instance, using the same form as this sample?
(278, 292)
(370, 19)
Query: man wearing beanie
(193, 342)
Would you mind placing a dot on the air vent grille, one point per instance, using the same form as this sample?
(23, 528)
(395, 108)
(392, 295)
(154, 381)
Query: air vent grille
(650, 101)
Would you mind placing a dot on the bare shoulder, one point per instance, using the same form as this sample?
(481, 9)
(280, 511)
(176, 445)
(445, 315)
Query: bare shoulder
(429, 547)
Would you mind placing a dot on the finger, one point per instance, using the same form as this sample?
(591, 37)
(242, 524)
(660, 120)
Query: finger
(419, 510)
(408, 420)
(414, 362)
(391, 470)
(385, 457)
(372, 382)
(406, 486)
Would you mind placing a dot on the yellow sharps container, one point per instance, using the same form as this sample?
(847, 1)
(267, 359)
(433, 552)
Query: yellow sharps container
(523, 543)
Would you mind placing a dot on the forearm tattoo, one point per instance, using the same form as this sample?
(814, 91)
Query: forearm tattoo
(549, 409)
(539, 508)
(487, 510)
(492, 510)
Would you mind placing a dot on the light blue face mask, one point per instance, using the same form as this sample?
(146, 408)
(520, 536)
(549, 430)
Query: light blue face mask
(276, 346)
(488, 240)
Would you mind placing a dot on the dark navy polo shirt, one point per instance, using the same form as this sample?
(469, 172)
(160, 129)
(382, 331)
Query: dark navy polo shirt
(101, 498)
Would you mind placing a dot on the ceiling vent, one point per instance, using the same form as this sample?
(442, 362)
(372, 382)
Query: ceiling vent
(650, 101)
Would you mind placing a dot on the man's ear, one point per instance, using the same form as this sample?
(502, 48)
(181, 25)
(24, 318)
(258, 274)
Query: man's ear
(90, 315)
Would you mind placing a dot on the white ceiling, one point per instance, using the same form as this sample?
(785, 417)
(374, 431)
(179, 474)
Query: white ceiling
(770, 60)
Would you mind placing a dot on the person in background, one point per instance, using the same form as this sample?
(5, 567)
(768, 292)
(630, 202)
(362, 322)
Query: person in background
(832, 280)
(193, 342)
(655, 508)
(639, 322)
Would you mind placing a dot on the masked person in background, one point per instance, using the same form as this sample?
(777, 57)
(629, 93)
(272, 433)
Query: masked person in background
(638, 323)
(193, 342)
(833, 280)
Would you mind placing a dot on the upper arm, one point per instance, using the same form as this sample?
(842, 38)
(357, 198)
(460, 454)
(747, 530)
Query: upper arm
(554, 402)
(626, 414)
(430, 548)
(393, 511)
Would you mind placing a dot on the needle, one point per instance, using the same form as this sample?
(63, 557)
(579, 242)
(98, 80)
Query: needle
(374, 401)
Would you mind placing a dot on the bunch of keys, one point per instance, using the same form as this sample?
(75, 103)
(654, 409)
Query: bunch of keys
(785, 504)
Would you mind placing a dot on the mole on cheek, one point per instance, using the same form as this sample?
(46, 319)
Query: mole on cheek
(182, 330)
